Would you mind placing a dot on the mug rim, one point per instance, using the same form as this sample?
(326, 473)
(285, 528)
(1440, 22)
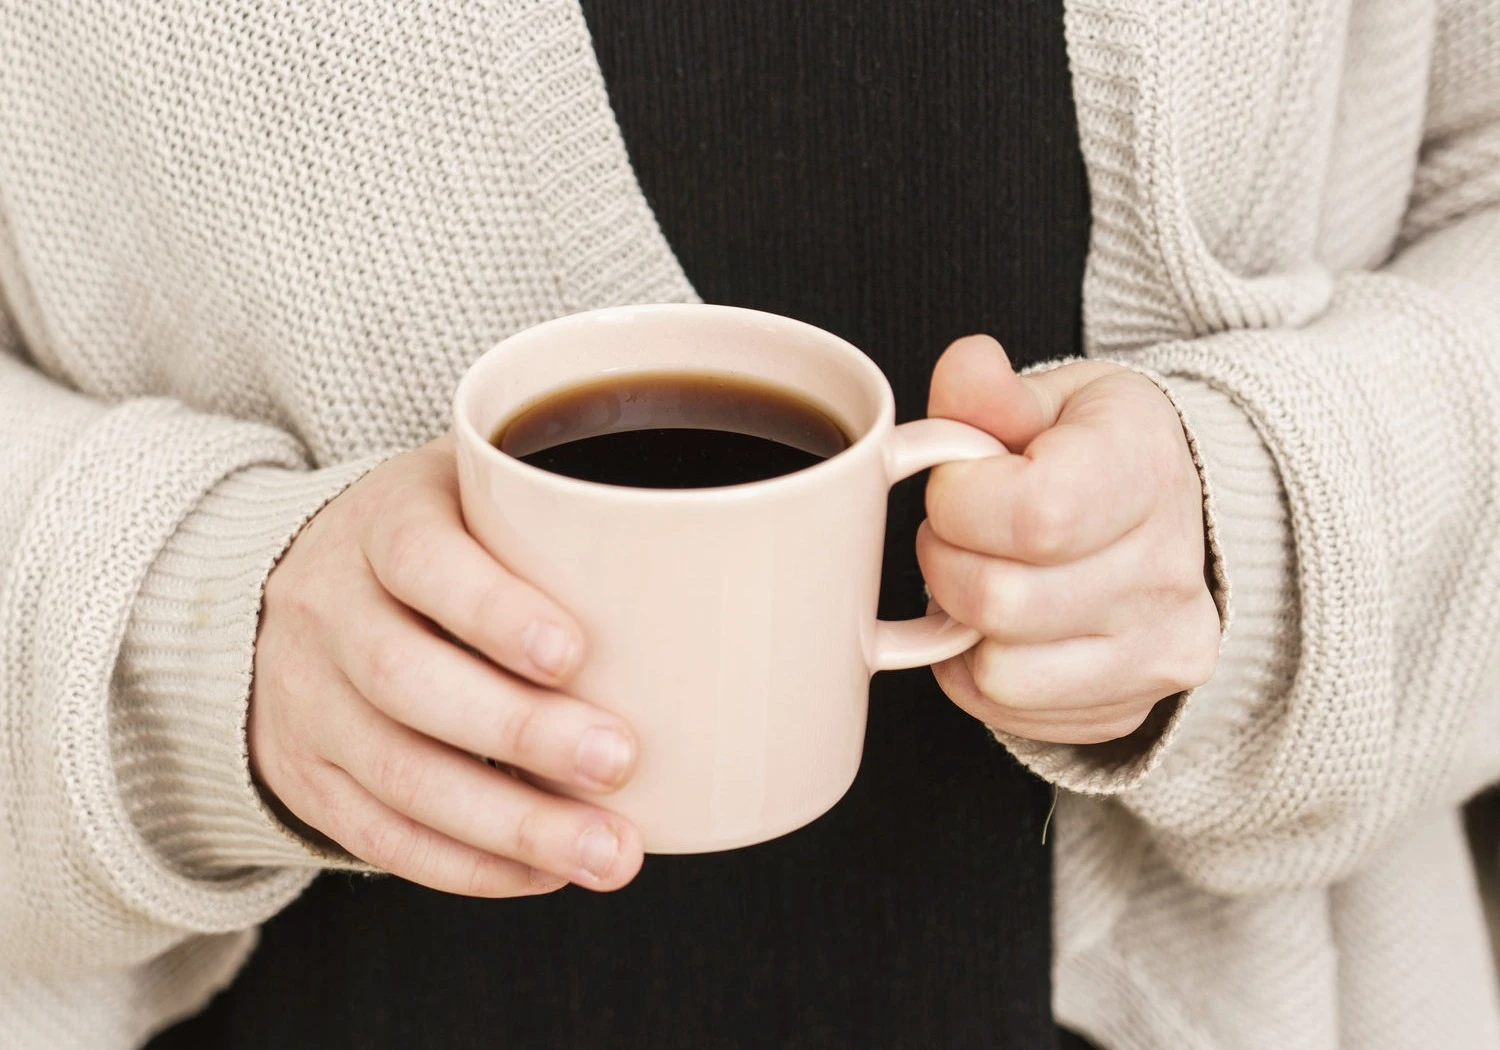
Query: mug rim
(869, 373)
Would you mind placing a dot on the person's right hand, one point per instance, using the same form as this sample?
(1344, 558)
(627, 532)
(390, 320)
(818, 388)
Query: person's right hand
(365, 716)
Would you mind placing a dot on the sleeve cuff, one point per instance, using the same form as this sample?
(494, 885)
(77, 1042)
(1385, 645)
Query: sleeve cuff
(182, 692)
(1249, 544)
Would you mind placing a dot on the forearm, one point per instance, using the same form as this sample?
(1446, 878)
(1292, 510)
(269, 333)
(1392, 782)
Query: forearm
(129, 552)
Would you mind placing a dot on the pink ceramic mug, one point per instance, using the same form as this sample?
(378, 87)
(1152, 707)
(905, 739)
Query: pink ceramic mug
(733, 627)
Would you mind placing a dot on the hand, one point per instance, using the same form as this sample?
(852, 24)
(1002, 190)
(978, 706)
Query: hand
(1081, 559)
(365, 716)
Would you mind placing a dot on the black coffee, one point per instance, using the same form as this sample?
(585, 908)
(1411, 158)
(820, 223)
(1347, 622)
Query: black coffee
(672, 430)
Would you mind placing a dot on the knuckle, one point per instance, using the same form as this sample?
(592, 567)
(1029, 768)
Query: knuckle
(303, 597)
(1002, 600)
(315, 792)
(1166, 596)
(379, 843)
(388, 658)
(402, 776)
(519, 735)
(289, 591)
(407, 552)
(942, 513)
(487, 876)
(1188, 586)
(1044, 527)
(992, 678)
(494, 603)
(288, 677)
(1186, 578)
(1199, 666)
(287, 762)
(526, 836)
(1196, 655)
(396, 848)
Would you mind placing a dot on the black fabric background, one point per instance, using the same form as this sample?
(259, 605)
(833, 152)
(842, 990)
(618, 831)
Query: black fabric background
(900, 173)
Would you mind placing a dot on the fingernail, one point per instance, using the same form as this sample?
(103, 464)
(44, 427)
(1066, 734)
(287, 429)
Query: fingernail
(545, 880)
(549, 647)
(603, 756)
(596, 850)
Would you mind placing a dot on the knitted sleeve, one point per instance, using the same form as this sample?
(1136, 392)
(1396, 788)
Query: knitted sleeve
(135, 854)
(1352, 471)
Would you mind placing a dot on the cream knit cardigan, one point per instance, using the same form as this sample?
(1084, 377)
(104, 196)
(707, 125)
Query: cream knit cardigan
(247, 248)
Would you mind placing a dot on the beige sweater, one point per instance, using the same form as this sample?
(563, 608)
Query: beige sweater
(246, 249)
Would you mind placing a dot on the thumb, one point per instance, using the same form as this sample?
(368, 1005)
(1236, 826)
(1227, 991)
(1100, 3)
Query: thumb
(973, 382)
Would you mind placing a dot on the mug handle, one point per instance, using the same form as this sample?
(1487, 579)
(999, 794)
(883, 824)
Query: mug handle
(915, 446)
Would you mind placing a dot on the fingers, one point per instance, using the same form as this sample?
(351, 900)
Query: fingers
(1023, 714)
(1080, 559)
(1084, 690)
(974, 382)
(466, 800)
(1074, 673)
(427, 561)
(1060, 726)
(363, 713)
(1016, 603)
(431, 685)
(393, 842)
(1082, 484)
(1052, 506)
(1109, 592)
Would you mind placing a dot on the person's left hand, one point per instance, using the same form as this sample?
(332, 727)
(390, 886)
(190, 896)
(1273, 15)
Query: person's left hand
(1080, 556)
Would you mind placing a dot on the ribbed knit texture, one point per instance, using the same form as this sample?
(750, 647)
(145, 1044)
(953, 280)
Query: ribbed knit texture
(248, 247)
(178, 712)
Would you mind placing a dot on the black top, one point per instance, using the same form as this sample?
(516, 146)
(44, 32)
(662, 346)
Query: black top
(900, 173)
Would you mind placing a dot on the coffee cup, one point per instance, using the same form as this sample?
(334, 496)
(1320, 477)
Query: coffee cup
(734, 627)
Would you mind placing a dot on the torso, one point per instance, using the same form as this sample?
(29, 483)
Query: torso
(900, 174)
